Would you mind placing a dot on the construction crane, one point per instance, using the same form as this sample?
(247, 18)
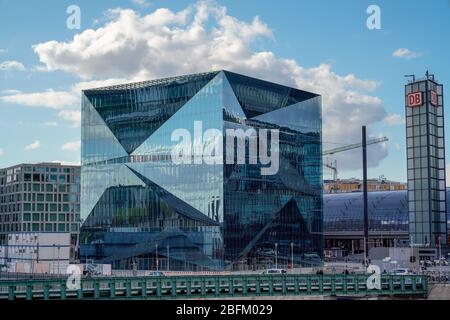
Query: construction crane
(333, 165)
(353, 146)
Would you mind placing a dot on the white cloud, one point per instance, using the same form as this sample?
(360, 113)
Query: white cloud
(48, 99)
(9, 92)
(405, 53)
(142, 3)
(78, 87)
(72, 146)
(73, 116)
(50, 124)
(12, 65)
(67, 163)
(2, 51)
(203, 37)
(68, 100)
(34, 145)
(1, 152)
(394, 119)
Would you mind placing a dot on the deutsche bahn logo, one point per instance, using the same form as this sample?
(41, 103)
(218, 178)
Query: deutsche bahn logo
(433, 98)
(414, 99)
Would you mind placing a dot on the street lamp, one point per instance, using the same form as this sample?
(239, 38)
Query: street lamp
(168, 250)
(292, 256)
(53, 259)
(440, 254)
(276, 255)
(156, 256)
(58, 259)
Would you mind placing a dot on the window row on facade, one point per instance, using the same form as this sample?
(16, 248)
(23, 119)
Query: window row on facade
(39, 227)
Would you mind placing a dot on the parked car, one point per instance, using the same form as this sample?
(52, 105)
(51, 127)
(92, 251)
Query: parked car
(91, 270)
(400, 272)
(274, 271)
(155, 274)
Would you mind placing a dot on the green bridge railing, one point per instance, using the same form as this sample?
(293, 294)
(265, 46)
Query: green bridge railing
(186, 287)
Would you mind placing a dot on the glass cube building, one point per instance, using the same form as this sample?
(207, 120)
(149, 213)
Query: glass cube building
(140, 209)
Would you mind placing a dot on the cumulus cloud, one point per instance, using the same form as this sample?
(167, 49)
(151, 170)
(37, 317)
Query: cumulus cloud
(405, 53)
(12, 65)
(49, 99)
(68, 101)
(142, 3)
(9, 92)
(203, 37)
(73, 116)
(36, 144)
(71, 146)
(394, 119)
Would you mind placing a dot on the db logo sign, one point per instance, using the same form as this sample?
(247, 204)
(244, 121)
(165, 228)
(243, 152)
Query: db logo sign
(414, 99)
(433, 98)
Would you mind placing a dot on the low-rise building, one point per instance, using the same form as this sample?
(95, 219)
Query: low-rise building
(30, 252)
(355, 185)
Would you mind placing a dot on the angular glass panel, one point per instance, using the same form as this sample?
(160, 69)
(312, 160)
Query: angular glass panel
(98, 143)
(198, 184)
(258, 96)
(232, 109)
(98, 178)
(288, 116)
(133, 112)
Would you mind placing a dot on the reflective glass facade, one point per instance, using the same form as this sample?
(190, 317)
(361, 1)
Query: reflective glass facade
(388, 212)
(140, 207)
(426, 161)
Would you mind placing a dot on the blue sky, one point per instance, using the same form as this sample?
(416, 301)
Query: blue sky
(322, 46)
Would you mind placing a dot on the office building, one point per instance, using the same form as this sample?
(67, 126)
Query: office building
(424, 109)
(210, 209)
(43, 197)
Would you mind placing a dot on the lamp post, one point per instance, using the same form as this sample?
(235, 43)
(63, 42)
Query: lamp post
(439, 258)
(292, 256)
(168, 251)
(276, 255)
(58, 259)
(156, 254)
(53, 259)
(365, 197)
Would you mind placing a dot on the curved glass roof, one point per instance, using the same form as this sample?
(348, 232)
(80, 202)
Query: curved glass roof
(388, 211)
